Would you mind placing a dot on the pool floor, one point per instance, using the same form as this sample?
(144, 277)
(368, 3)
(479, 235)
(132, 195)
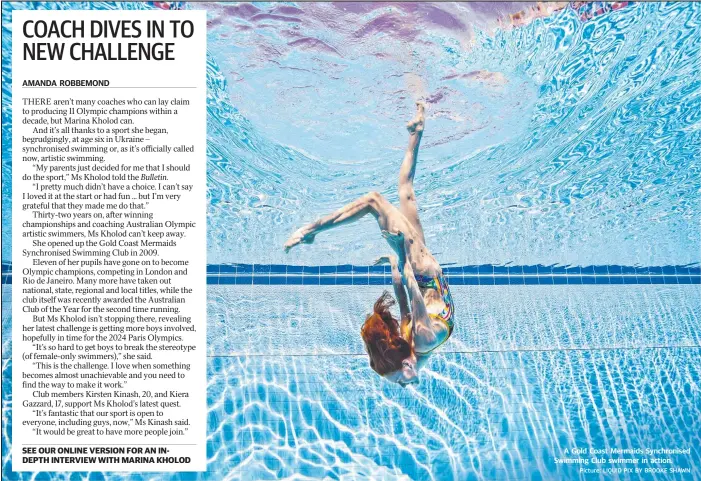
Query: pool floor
(530, 373)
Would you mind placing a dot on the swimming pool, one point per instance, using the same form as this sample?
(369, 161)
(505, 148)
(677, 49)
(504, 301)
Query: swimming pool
(559, 185)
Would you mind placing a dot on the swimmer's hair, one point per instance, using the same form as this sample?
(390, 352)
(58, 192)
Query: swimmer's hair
(383, 342)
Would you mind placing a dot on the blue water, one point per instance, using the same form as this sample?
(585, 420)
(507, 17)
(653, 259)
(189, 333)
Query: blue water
(579, 147)
(559, 143)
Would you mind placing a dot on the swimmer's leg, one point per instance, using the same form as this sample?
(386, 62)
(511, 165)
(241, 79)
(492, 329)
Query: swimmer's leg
(372, 203)
(407, 196)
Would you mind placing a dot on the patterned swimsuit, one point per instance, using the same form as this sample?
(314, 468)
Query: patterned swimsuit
(440, 284)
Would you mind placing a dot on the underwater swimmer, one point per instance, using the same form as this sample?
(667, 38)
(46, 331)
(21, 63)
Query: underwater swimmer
(397, 350)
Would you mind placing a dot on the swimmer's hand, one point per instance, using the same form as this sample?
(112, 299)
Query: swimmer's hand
(299, 237)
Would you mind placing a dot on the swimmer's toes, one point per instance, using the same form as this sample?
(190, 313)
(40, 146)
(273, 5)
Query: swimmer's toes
(291, 242)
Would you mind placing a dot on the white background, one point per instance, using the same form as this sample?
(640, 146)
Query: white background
(187, 70)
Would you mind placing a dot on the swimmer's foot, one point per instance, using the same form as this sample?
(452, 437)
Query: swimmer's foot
(417, 123)
(394, 237)
(385, 260)
(301, 236)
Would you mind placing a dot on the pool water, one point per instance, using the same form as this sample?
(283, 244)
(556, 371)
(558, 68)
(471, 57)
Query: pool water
(561, 142)
(291, 395)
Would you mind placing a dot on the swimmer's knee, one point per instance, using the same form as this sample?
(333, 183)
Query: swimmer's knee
(374, 198)
(406, 192)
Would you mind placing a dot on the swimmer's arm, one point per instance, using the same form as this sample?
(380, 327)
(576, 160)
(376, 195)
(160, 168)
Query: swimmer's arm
(398, 285)
(400, 294)
(424, 335)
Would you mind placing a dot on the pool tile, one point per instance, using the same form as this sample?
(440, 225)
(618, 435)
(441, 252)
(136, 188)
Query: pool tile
(544, 270)
(452, 271)
(484, 274)
(486, 269)
(376, 270)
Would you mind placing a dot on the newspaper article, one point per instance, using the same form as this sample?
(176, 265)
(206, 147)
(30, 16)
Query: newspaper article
(387, 241)
(109, 226)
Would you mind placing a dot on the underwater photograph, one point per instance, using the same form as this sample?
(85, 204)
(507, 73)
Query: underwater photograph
(445, 241)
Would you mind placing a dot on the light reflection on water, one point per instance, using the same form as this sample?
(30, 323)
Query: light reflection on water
(291, 394)
(559, 142)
